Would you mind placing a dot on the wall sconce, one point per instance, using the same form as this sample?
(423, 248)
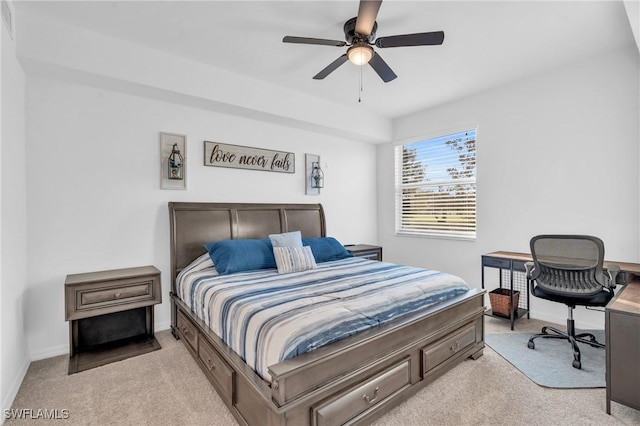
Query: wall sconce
(313, 174)
(317, 176)
(175, 163)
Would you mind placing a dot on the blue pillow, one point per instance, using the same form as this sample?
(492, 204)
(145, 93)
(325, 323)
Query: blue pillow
(326, 249)
(286, 239)
(231, 256)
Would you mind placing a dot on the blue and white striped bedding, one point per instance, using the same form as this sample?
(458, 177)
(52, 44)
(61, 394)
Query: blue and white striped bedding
(268, 317)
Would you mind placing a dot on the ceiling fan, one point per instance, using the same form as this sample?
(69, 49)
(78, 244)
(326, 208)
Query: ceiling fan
(360, 35)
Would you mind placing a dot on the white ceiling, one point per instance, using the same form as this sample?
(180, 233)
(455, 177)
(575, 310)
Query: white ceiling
(486, 43)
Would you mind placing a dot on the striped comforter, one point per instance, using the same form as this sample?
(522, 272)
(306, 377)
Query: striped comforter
(268, 317)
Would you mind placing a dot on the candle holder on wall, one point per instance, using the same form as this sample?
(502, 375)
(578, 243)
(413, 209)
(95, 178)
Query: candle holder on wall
(175, 164)
(173, 158)
(314, 176)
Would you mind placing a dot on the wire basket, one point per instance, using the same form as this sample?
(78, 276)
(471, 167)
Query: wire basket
(500, 300)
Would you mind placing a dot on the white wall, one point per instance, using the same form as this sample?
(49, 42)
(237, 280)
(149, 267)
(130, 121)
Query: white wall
(94, 197)
(13, 260)
(556, 153)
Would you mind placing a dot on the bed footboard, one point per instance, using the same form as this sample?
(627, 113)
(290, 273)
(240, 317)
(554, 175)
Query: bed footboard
(356, 379)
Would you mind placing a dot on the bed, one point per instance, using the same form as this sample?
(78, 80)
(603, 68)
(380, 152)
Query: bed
(352, 380)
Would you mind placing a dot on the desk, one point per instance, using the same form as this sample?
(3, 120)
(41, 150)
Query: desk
(622, 325)
(622, 329)
(514, 262)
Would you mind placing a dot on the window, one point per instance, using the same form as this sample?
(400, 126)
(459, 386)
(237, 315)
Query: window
(436, 186)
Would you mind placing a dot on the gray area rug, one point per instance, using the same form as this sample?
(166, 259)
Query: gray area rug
(549, 364)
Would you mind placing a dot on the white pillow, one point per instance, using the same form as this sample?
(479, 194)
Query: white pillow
(202, 262)
(286, 239)
(294, 259)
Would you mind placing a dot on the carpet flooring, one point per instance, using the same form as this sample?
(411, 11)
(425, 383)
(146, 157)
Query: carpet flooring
(550, 363)
(166, 387)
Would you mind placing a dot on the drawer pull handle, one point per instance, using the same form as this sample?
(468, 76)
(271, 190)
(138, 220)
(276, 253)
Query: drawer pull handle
(210, 364)
(184, 330)
(369, 399)
(455, 347)
(117, 295)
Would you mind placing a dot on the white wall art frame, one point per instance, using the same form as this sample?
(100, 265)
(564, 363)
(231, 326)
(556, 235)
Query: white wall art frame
(166, 145)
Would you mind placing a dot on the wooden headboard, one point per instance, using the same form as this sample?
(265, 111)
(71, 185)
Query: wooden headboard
(194, 224)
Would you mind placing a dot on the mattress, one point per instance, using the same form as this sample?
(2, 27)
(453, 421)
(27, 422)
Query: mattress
(266, 317)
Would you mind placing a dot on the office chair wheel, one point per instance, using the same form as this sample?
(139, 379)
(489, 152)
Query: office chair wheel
(531, 345)
(577, 364)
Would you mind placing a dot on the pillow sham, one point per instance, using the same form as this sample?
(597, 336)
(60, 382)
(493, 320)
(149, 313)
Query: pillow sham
(286, 239)
(230, 256)
(294, 259)
(326, 249)
(202, 262)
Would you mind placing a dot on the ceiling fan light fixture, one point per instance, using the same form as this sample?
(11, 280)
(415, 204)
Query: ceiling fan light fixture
(360, 54)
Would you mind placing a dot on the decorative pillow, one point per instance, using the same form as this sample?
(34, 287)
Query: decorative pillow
(326, 249)
(230, 256)
(294, 259)
(286, 239)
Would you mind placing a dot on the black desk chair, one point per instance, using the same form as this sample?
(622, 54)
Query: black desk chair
(568, 269)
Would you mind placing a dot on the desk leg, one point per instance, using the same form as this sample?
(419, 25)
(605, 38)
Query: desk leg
(511, 311)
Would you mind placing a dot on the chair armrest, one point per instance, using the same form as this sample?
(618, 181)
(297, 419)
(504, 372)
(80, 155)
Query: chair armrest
(529, 268)
(612, 271)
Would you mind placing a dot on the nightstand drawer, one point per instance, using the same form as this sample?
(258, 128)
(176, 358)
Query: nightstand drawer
(106, 292)
(124, 293)
(365, 251)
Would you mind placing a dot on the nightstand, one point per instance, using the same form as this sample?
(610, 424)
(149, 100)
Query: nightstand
(110, 315)
(366, 251)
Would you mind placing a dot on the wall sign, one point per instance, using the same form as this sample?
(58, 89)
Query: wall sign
(245, 157)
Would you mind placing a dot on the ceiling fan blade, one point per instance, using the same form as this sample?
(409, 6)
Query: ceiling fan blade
(381, 67)
(367, 13)
(418, 39)
(331, 67)
(309, 40)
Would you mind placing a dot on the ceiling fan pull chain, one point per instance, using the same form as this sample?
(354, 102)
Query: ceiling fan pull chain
(360, 91)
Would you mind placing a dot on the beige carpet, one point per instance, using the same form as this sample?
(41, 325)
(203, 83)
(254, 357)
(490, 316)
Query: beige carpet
(166, 387)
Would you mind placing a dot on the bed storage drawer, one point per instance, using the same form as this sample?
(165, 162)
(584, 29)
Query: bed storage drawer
(216, 368)
(349, 406)
(443, 349)
(188, 330)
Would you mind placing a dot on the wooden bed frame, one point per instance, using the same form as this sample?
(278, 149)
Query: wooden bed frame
(354, 380)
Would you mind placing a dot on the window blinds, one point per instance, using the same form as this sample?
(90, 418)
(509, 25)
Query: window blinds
(436, 186)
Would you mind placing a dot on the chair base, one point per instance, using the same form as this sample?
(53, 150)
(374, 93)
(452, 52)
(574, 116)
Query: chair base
(571, 336)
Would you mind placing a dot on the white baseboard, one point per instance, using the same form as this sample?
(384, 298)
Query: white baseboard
(49, 352)
(14, 388)
(164, 325)
(580, 323)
